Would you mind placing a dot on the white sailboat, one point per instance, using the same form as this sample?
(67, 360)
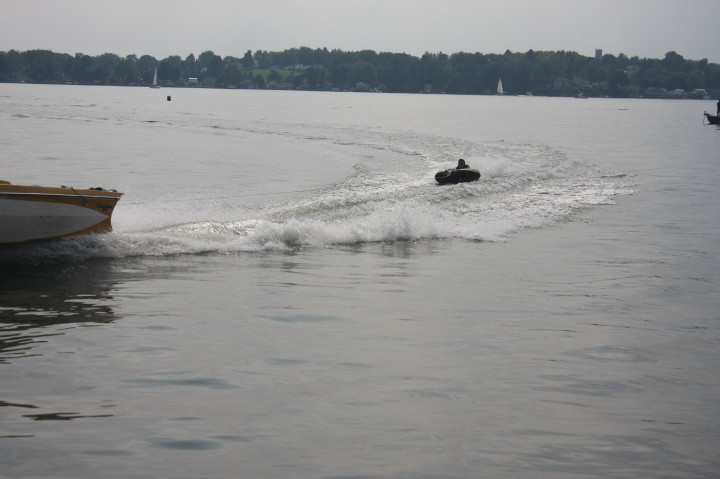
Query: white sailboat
(500, 88)
(155, 85)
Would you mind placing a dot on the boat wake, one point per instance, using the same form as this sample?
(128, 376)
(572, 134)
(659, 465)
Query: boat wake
(389, 196)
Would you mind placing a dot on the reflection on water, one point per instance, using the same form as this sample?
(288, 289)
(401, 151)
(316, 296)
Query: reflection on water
(61, 416)
(39, 302)
(34, 299)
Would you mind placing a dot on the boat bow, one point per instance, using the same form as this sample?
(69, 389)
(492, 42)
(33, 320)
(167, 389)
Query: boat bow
(40, 212)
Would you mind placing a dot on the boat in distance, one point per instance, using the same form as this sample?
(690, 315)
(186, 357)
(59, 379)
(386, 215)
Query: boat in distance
(30, 213)
(455, 175)
(712, 119)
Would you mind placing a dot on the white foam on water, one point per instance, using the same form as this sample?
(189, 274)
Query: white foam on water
(390, 196)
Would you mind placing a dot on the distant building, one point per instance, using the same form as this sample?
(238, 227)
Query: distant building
(700, 93)
(192, 82)
(677, 93)
(598, 53)
(655, 91)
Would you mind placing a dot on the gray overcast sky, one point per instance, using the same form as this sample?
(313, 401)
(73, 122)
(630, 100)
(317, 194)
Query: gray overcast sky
(644, 28)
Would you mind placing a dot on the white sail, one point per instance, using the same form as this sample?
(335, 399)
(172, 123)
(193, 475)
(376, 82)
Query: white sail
(500, 88)
(155, 85)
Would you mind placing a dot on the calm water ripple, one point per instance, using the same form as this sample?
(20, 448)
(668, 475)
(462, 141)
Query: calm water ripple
(287, 293)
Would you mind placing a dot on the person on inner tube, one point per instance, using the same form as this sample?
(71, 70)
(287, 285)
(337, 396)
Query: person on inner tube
(461, 165)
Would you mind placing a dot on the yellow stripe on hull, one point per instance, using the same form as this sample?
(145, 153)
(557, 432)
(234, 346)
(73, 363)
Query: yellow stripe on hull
(37, 212)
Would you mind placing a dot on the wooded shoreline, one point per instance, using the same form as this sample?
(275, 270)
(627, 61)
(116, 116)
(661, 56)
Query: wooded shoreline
(539, 73)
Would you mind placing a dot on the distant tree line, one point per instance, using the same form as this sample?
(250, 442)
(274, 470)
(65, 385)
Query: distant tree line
(560, 73)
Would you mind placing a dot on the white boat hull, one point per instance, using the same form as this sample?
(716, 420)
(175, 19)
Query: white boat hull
(34, 212)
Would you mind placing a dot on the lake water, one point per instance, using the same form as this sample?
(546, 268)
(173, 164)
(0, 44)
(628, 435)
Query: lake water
(288, 294)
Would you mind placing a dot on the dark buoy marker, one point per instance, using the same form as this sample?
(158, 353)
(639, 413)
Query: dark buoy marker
(169, 98)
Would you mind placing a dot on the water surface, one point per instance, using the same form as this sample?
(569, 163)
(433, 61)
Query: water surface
(288, 294)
